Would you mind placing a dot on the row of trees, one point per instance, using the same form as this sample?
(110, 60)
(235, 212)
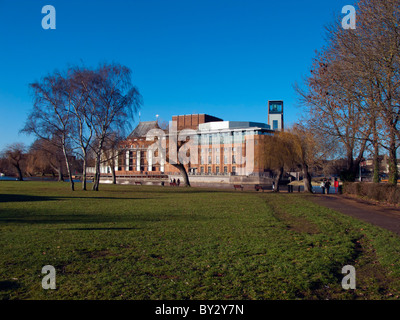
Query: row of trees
(83, 112)
(351, 99)
(42, 158)
(352, 96)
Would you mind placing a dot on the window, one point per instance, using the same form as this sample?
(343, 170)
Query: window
(225, 170)
(209, 160)
(275, 124)
(209, 170)
(276, 107)
(225, 160)
(217, 170)
(201, 170)
(233, 159)
(233, 170)
(217, 159)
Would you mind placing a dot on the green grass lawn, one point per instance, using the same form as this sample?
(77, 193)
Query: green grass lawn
(143, 242)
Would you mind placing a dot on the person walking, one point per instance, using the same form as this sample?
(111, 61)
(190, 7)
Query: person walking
(336, 185)
(322, 185)
(178, 182)
(327, 186)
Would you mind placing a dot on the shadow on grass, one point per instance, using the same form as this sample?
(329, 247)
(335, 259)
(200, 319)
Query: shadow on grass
(23, 198)
(8, 285)
(99, 229)
(32, 218)
(29, 198)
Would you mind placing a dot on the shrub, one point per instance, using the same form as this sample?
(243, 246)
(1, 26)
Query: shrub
(375, 191)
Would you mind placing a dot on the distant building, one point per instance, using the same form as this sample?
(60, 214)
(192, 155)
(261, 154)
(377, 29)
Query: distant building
(222, 148)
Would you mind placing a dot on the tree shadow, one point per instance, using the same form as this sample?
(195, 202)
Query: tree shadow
(29, 198)
(99, 229)
(22, 198)
(9, 285)
(21, 216)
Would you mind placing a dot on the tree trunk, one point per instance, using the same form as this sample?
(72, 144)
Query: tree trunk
(393, 171)
(376, 155)
(60, 176)
(114, 177)
(84, 172)
(19, 172)
(68, 167)
(58, 170)
(307, 179)
(182, 170)
(96, 179)
(376, 163)
(278, 179)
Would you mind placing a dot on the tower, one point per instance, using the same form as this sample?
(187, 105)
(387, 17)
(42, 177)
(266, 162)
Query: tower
(275, 115)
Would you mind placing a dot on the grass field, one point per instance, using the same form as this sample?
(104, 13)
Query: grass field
(143, 242)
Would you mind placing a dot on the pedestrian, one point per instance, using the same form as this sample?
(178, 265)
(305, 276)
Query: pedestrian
(273, 185)
(178, 182)
(336, 185)
(327, 186)
(174, 182)
(323, 186)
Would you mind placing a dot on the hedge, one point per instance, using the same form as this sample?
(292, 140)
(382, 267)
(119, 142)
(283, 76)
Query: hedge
(375, 191)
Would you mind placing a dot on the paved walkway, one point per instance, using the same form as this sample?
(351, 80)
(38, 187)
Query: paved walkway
(380, 215)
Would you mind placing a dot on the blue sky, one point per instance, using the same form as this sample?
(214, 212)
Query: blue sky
(219, 57)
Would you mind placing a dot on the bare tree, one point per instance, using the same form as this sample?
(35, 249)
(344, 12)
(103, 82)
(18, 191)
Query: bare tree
(77, 91)
(353, 90)
(278, 155)
(51, 118)
(15, 154)
(115, 100)
(306, 151)
(45, 154)
(111, 152)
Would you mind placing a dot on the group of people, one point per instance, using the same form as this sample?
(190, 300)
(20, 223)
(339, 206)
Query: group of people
(326, 185)
(175, 182)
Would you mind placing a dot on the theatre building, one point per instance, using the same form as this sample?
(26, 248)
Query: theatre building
(212, 149)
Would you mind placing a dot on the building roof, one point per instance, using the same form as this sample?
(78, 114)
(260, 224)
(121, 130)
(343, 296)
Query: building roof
(231, 125)
(142, 128)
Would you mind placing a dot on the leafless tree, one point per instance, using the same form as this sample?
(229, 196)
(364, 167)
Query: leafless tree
(51, 118)
(15, 155)
(44, 154)
(77, 91)
(353, 90)
(116, 101)
(111, 152)
(278, 155)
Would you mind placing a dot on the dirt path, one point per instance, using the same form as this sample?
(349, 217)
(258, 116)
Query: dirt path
(382, 216)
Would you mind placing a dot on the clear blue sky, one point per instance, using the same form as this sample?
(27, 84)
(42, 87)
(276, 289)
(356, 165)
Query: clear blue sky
(226, 58)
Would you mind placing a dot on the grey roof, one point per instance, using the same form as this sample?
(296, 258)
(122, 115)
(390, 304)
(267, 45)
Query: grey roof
(142, 129)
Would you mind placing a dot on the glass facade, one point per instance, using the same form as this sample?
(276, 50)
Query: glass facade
(275, 107)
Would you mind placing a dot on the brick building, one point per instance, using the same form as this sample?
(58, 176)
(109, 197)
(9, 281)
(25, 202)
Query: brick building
(219, 148)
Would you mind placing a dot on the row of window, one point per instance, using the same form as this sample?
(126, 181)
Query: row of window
(217, 160)
(217, 170)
